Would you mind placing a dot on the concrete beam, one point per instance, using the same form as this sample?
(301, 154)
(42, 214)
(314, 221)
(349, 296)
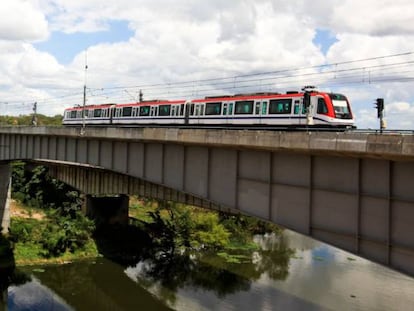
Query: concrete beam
(367, 145)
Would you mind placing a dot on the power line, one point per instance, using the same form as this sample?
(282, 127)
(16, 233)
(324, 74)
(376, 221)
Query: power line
(325, 74)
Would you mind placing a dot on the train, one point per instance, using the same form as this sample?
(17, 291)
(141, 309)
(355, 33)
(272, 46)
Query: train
(293, 109)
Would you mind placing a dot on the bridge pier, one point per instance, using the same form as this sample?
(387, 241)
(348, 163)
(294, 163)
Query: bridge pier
(5, 191)
(107, 209)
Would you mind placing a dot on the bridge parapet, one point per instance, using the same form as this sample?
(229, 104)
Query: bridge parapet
(367, 145)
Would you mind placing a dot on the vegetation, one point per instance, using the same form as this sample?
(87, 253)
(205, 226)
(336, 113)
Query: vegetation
(61, 230)
(175, 228)
(163, 228)
(36, 189)
(26, 120)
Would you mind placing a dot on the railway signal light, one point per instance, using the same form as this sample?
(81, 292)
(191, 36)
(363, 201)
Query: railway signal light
(380, 107)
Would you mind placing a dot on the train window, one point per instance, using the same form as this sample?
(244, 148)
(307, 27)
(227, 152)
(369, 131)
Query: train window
(192, 109)
(296, 108)
(164, 110)
(182, 110)
(244, 107)
(144, 111)
(322, 108)
(280, 106)
(213, 109)
(97, 113)
(264, 108)
(230, 108)
(79, 114)
(126, 111)
(73, 114)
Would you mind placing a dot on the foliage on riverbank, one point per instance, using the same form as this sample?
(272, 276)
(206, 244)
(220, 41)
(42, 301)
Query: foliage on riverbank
(52, 239)
(51, 227)
(63, 233)
(177, 228)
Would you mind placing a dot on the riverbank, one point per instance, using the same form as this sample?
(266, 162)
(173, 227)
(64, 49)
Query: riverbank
(28, 225)
(171, 227)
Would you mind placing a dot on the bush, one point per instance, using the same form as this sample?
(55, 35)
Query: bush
(66, 233)
(21, 230)
(208, 232)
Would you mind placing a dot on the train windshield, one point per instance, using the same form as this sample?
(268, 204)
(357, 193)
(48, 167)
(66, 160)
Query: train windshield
(341, 107)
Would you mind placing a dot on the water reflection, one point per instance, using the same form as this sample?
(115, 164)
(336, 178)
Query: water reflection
(290, 272)
(97, 285)
(219, 273)
(34, 296)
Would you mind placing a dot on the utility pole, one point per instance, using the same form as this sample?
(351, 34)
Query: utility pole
(84, 95)
(34, 117)
(379, 104)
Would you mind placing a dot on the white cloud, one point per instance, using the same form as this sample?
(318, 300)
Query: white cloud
(21, 21)
(189, 40)
(374, 17)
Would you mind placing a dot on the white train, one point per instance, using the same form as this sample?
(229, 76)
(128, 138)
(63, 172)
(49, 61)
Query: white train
(270, 110)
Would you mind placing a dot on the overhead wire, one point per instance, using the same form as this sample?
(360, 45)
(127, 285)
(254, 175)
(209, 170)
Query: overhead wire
(332, 74)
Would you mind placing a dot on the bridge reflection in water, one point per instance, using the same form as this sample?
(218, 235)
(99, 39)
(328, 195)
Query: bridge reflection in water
(314, 276)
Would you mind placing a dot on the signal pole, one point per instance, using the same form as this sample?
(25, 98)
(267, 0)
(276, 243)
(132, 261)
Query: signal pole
(84, 96)
(379, 104)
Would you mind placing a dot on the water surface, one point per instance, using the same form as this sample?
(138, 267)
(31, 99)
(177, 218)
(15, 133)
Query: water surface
(290, 272)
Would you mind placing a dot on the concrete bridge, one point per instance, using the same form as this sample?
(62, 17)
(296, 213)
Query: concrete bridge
(352, 190)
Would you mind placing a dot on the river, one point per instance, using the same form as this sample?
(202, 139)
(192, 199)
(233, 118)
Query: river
(290, 272)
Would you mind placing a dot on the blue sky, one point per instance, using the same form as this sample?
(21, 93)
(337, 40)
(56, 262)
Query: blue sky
(65, 46)
(325, 39)
(182, 49)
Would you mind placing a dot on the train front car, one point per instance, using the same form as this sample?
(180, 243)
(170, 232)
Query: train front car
(332, 110)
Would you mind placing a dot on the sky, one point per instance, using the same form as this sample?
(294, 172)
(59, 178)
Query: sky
(184, 49)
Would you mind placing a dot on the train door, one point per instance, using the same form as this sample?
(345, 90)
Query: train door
(227, 113)
(299, 112)
(257, 113)
(111, 113)
(188, 108)
(198, 113)
(154, 111)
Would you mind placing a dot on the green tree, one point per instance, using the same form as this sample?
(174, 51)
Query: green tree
(175, 227)
(36, 188)
(65, 233)
(208, 232)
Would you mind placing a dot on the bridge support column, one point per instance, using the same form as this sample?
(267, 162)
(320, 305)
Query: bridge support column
(5, 191)
(107, 210)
